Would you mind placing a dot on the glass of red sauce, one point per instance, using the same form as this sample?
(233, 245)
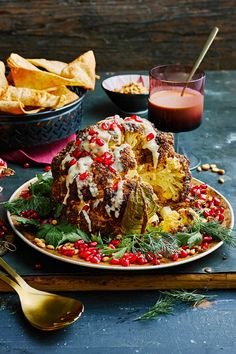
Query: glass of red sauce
(171, 108)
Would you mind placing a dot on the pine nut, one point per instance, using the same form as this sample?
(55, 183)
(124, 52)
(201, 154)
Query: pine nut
(41, 244)
(50, 247)
(213, 165)
(199, 169)
(205, 167)
(216, 169)
(221, 172)
(221, 180)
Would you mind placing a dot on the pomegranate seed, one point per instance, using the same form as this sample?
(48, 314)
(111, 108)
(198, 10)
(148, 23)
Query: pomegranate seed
(82, 253)
(26, 165)
(150, 256)
(86, 207)
(207, 239)
(3, 163)
(38, 266)
(100, 142)
(92, 250)
(92, 131)
(212, 212)
(203, 186)
(85, 153)
(88, 258)
(72, 162)
(133, 258)
(115, 242)
(136, 118)
(206, 213)
(113, 170)
(47, 168)
(78, 142)
(93, 139)
(98, 159)
(221, 218)
(124, 262)
(185, 247)
(83, 176)
(95, 259)
(112, 126)
(141, 260)
(83, 246)
(93, 244)
(150, 136)
(77, 153)
(115, 186)
(197, 205)
(68, 251)
(114, 261)
(155, 261)
(183, 254)
(107, 155)
(78, 243)
(221, 210)
(216, 201)
(205, 245)
(105, 126)
(26, 194)
(108, 162)
(202, 196)
(195, 190)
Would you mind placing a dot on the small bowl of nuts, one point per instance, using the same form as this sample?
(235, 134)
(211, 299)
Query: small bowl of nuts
(128, 92)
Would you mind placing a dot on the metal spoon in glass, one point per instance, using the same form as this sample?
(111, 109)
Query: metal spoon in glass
(43, 310)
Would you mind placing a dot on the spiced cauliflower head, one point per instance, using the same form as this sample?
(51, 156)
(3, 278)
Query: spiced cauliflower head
(118, 175)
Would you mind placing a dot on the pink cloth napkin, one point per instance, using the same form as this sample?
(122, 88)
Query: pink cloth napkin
(42, 154)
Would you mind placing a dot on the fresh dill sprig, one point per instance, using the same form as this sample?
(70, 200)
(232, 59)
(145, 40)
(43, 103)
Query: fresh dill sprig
(165, 303)
(156, 242)
(187, 296)
(161, 307)
(218, 231)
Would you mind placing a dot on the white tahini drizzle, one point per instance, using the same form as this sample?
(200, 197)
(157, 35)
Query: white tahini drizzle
(87, 218)
(117, 201)
(81, 166)
(116, 153)
(151, 144)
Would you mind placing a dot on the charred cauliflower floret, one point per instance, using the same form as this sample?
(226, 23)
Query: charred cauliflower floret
(176, 220)
(117, 176)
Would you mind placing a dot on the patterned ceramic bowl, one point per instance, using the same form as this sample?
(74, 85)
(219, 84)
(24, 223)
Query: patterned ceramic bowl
(26, 130)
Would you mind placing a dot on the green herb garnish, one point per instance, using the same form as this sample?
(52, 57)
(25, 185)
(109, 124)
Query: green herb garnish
(165, 303)
(56, 234)
(161, 307)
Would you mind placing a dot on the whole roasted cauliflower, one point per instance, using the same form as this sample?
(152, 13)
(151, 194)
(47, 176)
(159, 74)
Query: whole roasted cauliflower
(118, 175)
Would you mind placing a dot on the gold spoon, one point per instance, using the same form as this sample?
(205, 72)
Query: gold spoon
(44, 310)
(201, 56)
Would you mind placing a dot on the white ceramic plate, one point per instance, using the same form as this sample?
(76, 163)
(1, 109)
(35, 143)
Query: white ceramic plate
(28, 238)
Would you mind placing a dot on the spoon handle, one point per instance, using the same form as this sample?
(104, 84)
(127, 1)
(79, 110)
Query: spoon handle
(15, 275)
(201, 56)
(10, 282)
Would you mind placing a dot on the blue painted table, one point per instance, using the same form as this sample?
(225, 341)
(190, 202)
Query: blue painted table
(108, 325)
